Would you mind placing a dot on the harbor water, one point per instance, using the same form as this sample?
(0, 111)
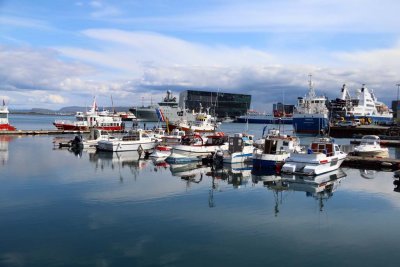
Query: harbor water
(61, 208)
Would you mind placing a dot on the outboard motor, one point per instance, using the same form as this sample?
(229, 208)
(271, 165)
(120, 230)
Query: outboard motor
(76, 143)
(396, 181)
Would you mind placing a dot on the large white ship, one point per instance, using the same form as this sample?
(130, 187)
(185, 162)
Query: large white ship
(364, 105)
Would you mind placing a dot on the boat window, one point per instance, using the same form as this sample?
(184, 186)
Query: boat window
(314, 147)
(3, 116)
(285, 143)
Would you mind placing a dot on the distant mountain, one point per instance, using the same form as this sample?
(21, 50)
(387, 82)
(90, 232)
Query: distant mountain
(42, 110)
(65, 110)
(72, 109)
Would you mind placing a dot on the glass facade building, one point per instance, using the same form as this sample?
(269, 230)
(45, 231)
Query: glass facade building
(221, 104)
(396, 110)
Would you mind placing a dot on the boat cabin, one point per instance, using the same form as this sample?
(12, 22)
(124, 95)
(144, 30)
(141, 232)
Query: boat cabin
(216, 140)
(323, 146)
(370, 140)
(274, 146)
(135, 135)
(238, 141)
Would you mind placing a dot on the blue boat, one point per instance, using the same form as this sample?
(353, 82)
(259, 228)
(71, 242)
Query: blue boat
(311, 115)
(274, 149)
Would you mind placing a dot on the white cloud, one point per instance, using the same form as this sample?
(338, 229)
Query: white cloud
(279, 16)
(96, 4)
(55, 99)
(23, 22)
(125, 64)
(102, 10)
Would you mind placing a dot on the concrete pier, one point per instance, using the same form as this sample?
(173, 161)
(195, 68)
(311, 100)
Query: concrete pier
(371, 163)
(387, 143)
(350, 132)
(40, 132)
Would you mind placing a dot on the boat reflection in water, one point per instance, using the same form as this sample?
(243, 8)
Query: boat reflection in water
(191, 172)
(320, 187)
(117, 160)
(236, 175)
(4, 140)
(367, 174)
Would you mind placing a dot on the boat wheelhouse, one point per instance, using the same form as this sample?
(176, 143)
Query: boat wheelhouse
(4, 123)
(322, 156)
(103, 120)
(275, 150)
(370, 147)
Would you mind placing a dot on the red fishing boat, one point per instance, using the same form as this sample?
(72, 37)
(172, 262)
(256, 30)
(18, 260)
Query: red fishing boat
(103, 120)
(4, 124)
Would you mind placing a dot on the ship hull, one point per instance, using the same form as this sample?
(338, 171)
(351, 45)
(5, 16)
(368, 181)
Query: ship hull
(72, 127)
(310, 124)
(7, 127)
(265, 120)
(145, 114)
(374, 119)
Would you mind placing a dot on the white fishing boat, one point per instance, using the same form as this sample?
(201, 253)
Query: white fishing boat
(133, 140)
(164, 147)
(195, 147)
(322, 156)
(274, 150)
(203, 123)
(95, 136)
(240, 149)
(370, 147)
(157, 133)
(91, 142)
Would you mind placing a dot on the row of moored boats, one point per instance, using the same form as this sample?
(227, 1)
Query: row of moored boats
(274, 152)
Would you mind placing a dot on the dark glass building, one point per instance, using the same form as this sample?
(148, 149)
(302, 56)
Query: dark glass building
(220, 104)
(396, 110)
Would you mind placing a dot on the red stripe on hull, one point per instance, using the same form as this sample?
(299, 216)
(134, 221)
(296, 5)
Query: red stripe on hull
(7, 127)
(171, 127)
(69, 127)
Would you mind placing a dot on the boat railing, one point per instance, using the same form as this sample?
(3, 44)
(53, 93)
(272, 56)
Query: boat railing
(77, 123)
(318, 151)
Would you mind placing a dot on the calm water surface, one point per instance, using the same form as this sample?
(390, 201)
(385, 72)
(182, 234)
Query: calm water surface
(58, 208)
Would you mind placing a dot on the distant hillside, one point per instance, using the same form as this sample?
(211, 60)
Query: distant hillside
(73, 109)
(65, 110)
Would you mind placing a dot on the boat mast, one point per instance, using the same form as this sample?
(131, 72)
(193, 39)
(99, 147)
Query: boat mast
(311, 91)
(112, 105)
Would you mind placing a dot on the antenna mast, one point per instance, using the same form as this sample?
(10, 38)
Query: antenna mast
(311, 91)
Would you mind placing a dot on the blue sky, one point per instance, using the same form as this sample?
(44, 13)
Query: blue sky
(62, 53)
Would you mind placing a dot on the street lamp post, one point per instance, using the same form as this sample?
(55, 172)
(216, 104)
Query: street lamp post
(398, 87)
(397, 103)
